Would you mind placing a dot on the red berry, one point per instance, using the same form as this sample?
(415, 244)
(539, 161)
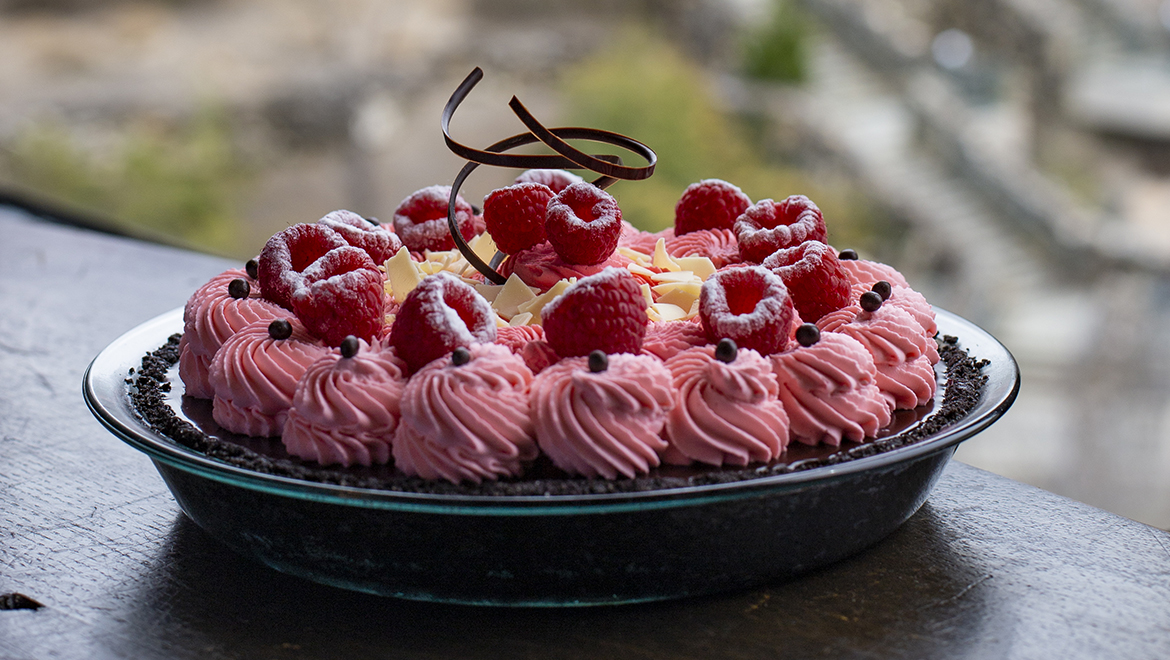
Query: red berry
(287, 254)
(421, 220)
(342, 294)
(515, 215)
(814, 277)
(748, 305)
(379, 243)
(438, 316)
(605, 312)
(709, 204)
(767, 226)
(583, 224)
(556, 180)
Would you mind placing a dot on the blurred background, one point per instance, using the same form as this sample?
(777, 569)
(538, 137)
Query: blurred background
(1011, 157)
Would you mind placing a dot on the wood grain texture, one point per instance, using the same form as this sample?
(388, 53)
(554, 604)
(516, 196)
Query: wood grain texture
(987, 568)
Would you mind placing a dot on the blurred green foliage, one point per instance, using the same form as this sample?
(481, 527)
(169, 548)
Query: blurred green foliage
(178, 181)
(641, 87)
(777, 50)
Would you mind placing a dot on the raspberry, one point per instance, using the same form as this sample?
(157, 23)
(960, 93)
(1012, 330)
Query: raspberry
(379, 243)
(709, 204)
(515, 215)
(767, 226)
(421, 220)
(287, 254)
(814, 277)
(556, 180)
(342, 294)
(438, 316)
(748, 305)
(605, 312)
(583, 224)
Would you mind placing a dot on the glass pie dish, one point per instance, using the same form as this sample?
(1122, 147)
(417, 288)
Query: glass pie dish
(550, 550)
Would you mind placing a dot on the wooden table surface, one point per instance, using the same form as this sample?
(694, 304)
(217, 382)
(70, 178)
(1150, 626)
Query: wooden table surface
(988, 568)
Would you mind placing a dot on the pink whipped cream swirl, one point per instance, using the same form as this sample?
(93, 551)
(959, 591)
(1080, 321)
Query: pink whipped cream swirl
(905, 374)
(605, 424)
(719, 245)
(636, 239)
(254, 377)
(469, 422)
(909, 301)
(210, 318)
(724, 414)
(540, 267)
(829, 391)
(862, 271)
(665, 339)
(345, 410)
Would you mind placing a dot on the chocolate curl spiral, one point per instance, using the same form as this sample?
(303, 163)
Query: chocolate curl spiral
(567, 156)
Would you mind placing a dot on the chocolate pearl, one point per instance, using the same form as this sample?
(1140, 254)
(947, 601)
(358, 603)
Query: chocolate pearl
(883, 289)
(848, 255)
(280, 329)
(598, 362)
(460, 356)
(807, 334)
(870, 301)
(726, 350)
(373, 221)
(239, 288)
(253, 268)
(350, 346)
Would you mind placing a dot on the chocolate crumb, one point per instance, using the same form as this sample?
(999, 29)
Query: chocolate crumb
(16, 601)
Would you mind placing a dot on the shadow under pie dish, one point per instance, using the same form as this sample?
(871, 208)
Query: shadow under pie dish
(668, 535)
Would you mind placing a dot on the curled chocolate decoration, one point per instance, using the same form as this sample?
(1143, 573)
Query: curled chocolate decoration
(609, 167)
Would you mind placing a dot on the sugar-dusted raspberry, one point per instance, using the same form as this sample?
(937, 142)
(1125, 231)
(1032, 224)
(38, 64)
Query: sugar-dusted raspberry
(768, 226)
(709, 204)
(421, 220)
(359, 232)
(814, 277)
(583, 224)
(439, 315)
(515, 215)
(287, 254)
(343, 293)
(556, 180)
(605, 312)
(750, 306)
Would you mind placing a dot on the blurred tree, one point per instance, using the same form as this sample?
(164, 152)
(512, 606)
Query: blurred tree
(644, 88)
(777, 50)
(182, 181)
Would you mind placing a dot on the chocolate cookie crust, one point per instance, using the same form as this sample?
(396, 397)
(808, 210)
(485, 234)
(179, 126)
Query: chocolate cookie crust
(150, 385)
